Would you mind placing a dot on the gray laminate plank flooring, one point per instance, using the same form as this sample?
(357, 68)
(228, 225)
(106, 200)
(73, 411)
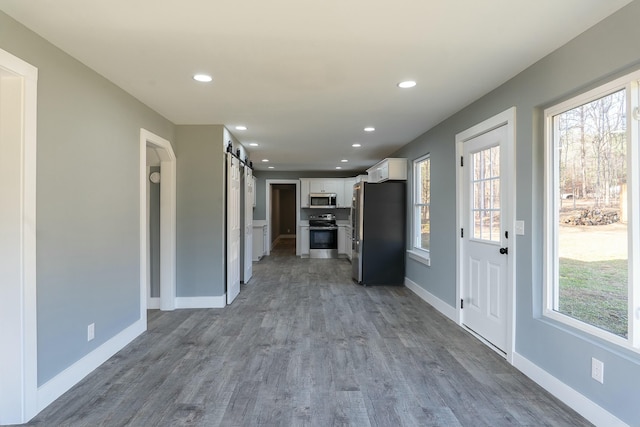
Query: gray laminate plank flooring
(304, 346)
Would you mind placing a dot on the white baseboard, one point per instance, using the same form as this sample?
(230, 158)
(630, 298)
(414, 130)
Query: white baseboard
(66, 379)
(431, 299)
(153, 303)
(581, 404)
(201, 302)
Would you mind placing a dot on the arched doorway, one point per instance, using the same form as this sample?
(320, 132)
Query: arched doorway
(166, 159)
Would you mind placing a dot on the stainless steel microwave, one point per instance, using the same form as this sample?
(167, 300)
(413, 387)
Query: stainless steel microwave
(322, 200)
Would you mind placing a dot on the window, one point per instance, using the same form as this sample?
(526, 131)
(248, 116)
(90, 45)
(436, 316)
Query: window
(592, 175)
(422, 206)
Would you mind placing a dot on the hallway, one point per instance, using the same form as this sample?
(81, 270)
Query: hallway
(303, 345)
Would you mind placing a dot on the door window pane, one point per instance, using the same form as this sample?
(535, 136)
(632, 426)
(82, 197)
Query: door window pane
(486, 194)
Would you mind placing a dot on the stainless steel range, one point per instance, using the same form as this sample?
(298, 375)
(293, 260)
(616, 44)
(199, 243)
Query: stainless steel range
(323, 236)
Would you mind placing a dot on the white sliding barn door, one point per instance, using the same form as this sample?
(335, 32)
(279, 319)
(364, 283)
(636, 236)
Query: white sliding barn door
(248, 223)
(233, 228)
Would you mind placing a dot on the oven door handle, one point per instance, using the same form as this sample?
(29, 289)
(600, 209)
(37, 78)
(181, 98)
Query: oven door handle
(322, 228)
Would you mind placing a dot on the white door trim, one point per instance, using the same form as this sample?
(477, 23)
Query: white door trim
(167, 222)
(506, 118)
(267, 190)
(18, 310)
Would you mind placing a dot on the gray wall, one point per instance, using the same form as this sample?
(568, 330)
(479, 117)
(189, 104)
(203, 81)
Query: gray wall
(200, 215)
(88, 225)
(609, 49)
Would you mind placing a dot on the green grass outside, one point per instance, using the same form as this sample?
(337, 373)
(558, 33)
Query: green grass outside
(596, 293)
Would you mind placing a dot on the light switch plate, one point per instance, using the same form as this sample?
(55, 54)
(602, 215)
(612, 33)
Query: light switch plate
(519, 228)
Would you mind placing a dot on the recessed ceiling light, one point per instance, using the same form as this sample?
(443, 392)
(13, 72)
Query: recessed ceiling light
(241, 127)
(407, 84)
(356, 145)
(338, 167)
(270, 167)
(265, 160)
(344, 160)
(369, 129)
(253, 144)
(204, 78)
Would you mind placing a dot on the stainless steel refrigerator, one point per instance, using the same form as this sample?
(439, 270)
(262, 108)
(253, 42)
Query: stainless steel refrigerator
(378, 220)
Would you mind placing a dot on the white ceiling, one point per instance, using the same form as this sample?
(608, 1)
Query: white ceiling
(307, 76)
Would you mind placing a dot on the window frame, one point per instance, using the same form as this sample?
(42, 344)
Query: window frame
(631, 84)
(417, 253)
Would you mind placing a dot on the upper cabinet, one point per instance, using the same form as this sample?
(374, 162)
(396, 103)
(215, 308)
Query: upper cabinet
(344, 199)
(304, 192)
(323, 185)
(388, 169)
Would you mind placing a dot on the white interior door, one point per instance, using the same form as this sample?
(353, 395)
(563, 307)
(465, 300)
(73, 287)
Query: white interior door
(484, 237)
(248, 224)
(233, 228)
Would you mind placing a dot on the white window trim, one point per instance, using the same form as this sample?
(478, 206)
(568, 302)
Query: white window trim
(418, 254)
(550, 223)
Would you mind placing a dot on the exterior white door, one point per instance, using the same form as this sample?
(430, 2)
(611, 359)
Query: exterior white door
(248, 224)
(233, 228)
(484, 237)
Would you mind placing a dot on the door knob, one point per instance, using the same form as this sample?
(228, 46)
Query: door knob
(504, 251)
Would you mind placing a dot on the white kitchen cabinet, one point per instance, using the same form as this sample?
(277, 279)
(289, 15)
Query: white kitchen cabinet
(344, 240)
(260, 242)
(304, 241)
(342, 231)
(388, 169)
(304, 192)
(323, 186)
(265, 240)
(344, 199)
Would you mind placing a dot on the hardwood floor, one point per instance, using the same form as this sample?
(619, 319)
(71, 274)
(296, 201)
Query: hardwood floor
(304, 346)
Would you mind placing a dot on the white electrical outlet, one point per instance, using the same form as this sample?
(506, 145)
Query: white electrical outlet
(519, 228)
(597, 370)
(91, 331)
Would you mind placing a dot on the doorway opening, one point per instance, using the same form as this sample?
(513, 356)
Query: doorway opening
(283, 213)
(157, 209)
